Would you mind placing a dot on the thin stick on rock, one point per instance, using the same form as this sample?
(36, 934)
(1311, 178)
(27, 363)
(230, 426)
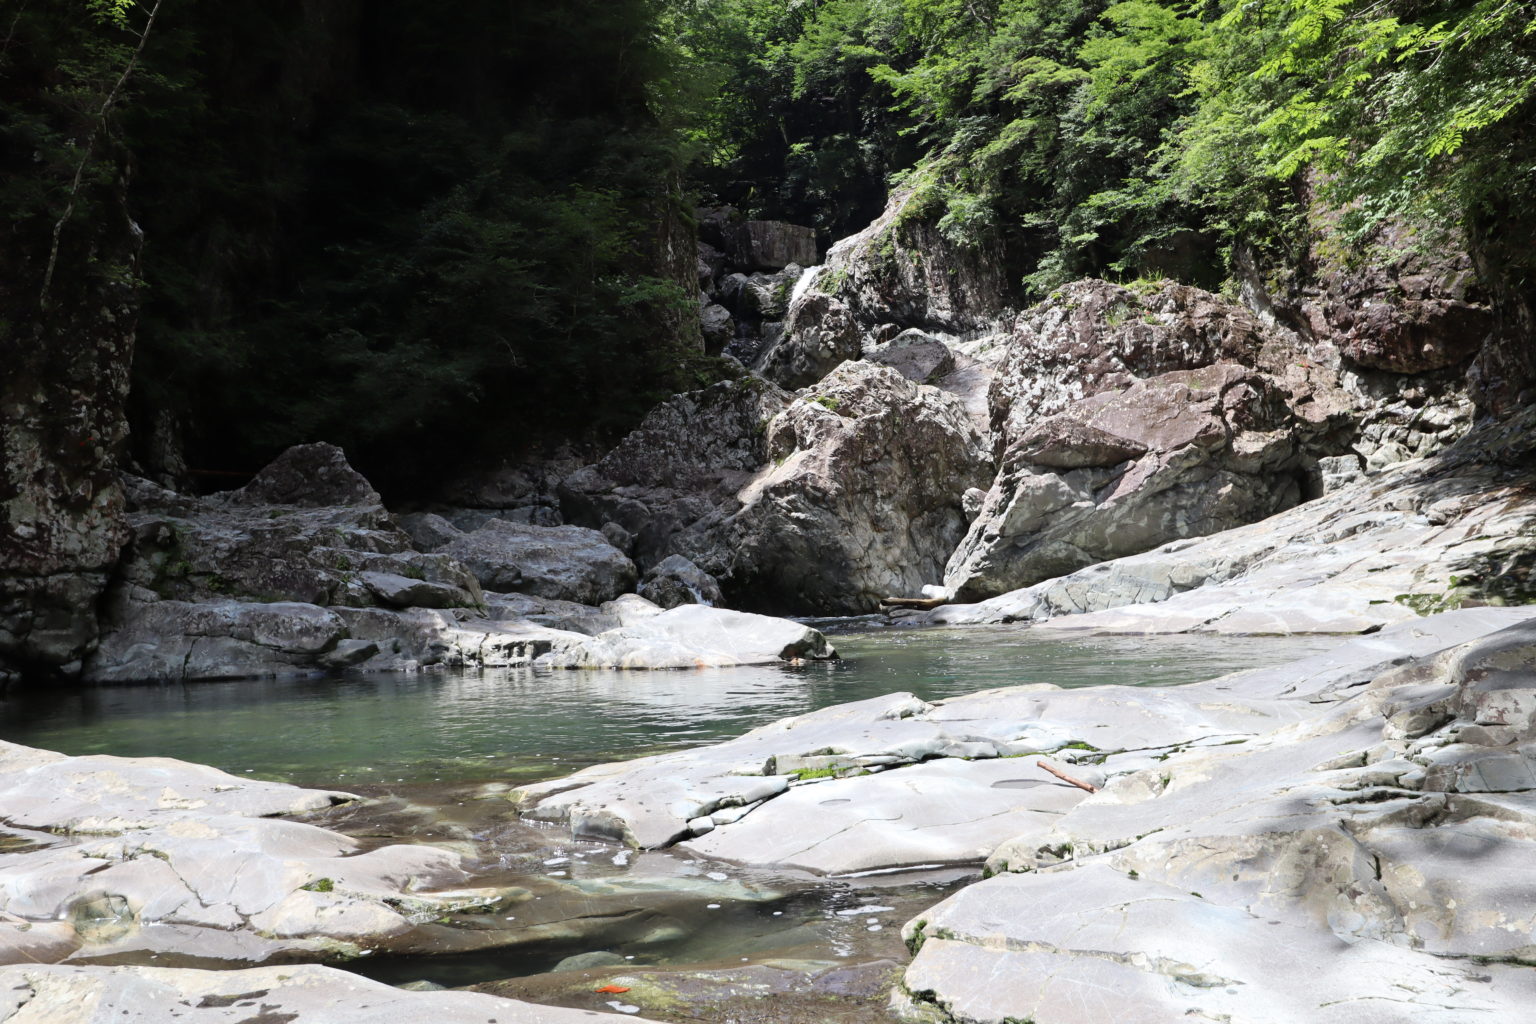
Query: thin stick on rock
(1064, 777)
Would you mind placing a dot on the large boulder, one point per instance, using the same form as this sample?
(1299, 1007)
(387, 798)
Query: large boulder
(1092, 336)
(1184, 454)
(675, 581)
(769, 244)
(692, 636)
(830, 502)
(819, 334)
(1425, 535)
(331, 543)
(902, 270)
(861, 499)
(308, 475)
(568, 563)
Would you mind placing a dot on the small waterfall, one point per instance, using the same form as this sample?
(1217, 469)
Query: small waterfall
(804, 281)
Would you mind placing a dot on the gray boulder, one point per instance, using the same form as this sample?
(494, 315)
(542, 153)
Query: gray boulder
(569, 563)
(717, 325)
(428, 530)
(1185, 454)
(306, 549)
(176, 641)
(848, 494)
(820, 333)
(1092, 336)
(676, 581)
(310, 475)
(861, 499)
(1423, 536)
(770, 244)
(916, 356)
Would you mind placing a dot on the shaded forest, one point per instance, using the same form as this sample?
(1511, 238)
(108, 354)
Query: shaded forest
(430, 232)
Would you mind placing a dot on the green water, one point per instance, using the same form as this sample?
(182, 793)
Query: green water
(412, 729)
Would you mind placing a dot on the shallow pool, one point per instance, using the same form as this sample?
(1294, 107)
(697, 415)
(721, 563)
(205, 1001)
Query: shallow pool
(388, 729)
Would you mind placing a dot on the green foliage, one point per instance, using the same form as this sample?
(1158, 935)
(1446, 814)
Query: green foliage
(1154, 137)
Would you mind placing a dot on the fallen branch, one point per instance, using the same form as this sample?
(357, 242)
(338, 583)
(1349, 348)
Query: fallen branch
(1064, 777)
(912, 602)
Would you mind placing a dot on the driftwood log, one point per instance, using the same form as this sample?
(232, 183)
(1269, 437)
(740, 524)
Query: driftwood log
(1064, 777)
(912, 602)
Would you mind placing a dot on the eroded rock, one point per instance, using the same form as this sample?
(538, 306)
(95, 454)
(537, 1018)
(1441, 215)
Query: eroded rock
(1183, 454)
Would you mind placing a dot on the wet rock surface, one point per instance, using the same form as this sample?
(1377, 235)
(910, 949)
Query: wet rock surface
(154, 856)
(307, 994)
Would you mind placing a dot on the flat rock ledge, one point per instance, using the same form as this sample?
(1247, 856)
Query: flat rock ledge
(1349, 837)
(110, 856)
(1372, 862)
(38, 994)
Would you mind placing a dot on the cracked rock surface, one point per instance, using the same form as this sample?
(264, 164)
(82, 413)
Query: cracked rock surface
(35, 994)
(131, 856)
(1369, 861)
(865, 786)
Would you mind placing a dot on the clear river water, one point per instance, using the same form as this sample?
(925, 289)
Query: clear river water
(445, 727)
(433, 755)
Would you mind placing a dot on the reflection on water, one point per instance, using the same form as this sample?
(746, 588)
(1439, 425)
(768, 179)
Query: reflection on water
(413, 728)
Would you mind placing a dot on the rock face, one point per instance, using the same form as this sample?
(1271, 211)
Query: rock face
(688, 457)
(1425, 535)
(316, 549)
(861, 501)
(1183, 454)
(566, 563)
(63, 425)
(902, 270)
(1093, 336)
(830, 502)
(303, 994)
(1348, 838)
